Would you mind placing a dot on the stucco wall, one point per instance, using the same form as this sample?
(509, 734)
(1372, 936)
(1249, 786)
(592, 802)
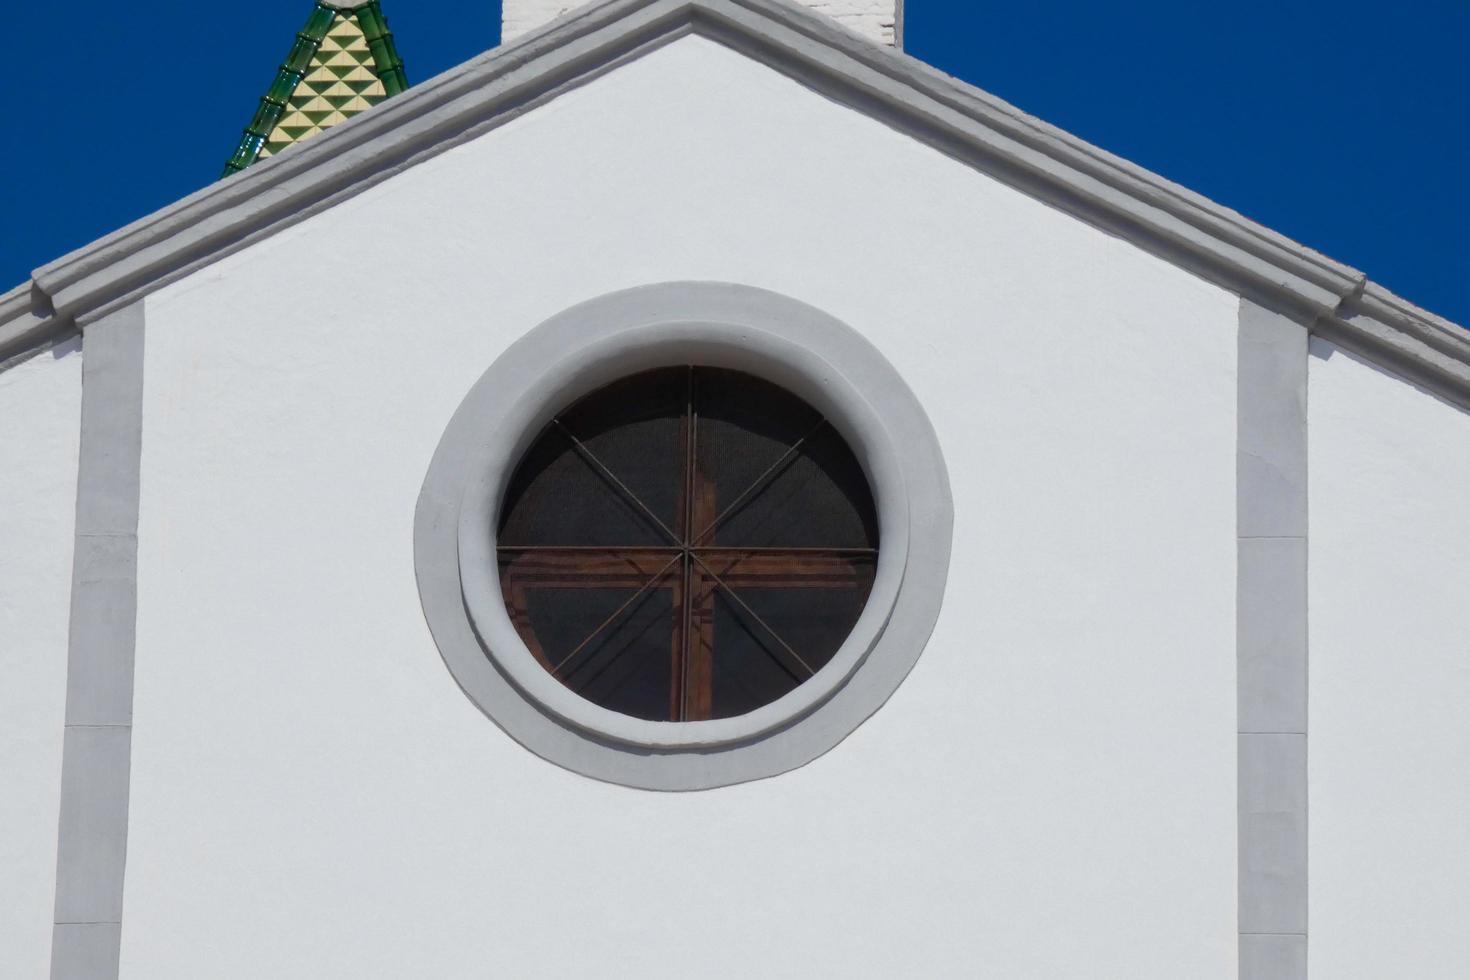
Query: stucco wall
(1390, 676)
(40, 426)
(873, 18)
(1051, 792)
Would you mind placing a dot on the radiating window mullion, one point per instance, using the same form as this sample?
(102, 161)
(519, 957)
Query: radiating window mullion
(612, 478)
(754, 615)
(686, 610)
(753, 622)
(735, 549)
(760, 482)
(685, 624)
(583, 568)
(556, 669)
(587, 549)
(611, 662)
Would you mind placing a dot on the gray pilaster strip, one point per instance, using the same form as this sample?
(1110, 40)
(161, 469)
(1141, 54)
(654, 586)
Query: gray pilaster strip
(94, 815)
(1271, 459)
(1271, 635)
(86, 949)
(898, 24)
(1271, 644)
(99, 685)
(96, 753)
(1273, 834)
(1267, 957)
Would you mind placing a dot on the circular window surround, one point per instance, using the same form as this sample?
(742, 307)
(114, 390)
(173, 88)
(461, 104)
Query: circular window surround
(741, 328)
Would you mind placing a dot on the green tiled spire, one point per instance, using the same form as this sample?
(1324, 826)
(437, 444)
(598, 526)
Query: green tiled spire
(342, 63)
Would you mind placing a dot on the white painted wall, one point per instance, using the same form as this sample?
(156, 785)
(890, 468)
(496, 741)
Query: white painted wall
(1390, 676)
(1050, 794)
(40, 428)
(872, 18)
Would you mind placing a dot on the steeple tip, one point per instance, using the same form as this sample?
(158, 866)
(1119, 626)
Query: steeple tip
(342, 62)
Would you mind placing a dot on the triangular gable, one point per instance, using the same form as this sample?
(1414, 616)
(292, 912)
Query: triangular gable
(961, 120)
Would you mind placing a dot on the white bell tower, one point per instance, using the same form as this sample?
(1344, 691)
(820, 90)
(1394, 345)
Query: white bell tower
(881, 20)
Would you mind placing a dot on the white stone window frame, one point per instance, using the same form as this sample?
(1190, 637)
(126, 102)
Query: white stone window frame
(782, 340)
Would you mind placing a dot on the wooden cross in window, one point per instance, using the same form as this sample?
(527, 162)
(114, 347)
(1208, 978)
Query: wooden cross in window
(686, 584)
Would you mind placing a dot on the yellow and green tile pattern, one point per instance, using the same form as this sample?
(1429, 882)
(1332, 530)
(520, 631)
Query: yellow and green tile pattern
(341, 63)
(339, 85)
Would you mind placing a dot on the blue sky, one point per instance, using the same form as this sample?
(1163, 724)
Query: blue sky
(1344, 125)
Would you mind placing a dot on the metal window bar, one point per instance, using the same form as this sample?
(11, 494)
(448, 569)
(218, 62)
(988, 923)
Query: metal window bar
(760, 481)
(614, 616)
(686, 547)
(755, 616)
(608, 475)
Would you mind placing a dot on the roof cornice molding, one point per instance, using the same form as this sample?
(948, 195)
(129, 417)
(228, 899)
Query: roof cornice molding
(1213, 241)
(1043, 160)
(27, 325)
(1404, 339)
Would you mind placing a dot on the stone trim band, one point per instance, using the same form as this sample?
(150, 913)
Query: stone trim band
(97, 746)
(1271, 644)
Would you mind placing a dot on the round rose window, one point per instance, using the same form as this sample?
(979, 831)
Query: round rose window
(686, 544)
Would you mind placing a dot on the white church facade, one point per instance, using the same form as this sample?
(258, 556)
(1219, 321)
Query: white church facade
(696, 492)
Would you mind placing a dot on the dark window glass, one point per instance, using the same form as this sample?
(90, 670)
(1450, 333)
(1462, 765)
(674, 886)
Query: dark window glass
(686, 544)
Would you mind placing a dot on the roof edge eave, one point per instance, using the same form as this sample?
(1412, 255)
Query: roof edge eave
(1198, 234)
(1050, 142)
(1403, 339)
(27, 324)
